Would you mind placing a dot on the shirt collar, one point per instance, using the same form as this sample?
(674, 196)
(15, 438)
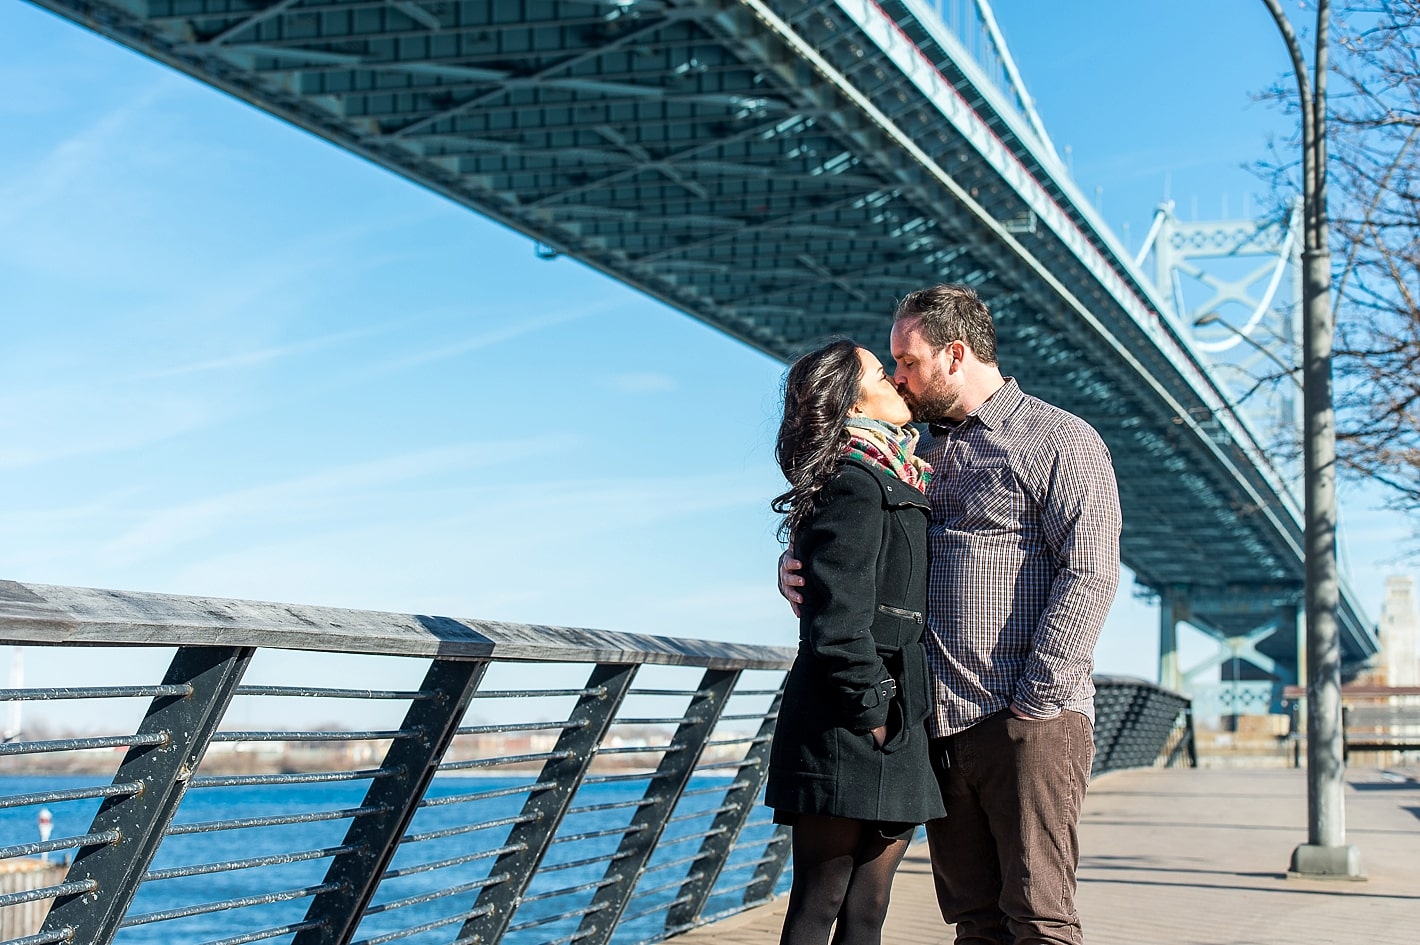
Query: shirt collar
(990, 414)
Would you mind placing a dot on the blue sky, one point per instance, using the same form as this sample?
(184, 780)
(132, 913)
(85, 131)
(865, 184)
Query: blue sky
(239, 362)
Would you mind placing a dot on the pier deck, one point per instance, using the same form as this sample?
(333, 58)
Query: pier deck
(1199, 857)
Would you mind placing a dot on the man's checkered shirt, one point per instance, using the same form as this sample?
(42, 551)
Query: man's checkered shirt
(1024, 557)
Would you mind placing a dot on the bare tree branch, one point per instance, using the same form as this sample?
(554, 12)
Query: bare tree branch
(1373, 133)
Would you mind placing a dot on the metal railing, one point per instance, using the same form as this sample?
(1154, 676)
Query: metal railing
(1381, 721)
(1141, 725)
(973, 24)
(537, 785)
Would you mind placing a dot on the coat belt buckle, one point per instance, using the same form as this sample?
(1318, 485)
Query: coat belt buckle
(880, 693)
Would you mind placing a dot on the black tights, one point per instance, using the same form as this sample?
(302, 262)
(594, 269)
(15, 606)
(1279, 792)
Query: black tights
(843, 872)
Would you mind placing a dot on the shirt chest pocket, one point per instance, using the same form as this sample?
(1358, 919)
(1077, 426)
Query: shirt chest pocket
(991, 499)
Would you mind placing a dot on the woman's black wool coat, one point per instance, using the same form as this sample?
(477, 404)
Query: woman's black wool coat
(864, 557)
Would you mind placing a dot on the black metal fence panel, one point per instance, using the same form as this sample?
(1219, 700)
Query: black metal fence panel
(527, 786)
(1140, 725)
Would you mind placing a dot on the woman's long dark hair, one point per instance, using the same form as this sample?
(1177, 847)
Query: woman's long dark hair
(819, 390)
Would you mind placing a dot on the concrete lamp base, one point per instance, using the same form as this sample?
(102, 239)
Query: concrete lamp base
(1317, 862)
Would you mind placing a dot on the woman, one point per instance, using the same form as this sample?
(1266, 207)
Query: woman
(848, 767)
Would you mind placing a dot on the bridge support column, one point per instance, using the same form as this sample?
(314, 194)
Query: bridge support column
(1289, 623)
(1173, 608)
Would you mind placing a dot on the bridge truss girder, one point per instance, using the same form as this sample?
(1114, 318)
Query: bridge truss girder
(781, 170)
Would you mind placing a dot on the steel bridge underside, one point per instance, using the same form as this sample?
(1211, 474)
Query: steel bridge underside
(782, 171)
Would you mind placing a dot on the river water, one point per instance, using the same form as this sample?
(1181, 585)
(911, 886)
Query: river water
(206, 805)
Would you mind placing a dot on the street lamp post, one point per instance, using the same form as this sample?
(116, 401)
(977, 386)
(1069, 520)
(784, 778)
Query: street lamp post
(1326, 853)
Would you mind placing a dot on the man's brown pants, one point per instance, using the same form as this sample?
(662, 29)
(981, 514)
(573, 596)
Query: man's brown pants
(1005, 855)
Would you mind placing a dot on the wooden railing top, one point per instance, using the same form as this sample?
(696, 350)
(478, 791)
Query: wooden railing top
(53, 615)
(1357, 691)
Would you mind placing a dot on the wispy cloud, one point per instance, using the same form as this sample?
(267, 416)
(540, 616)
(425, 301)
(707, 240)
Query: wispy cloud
(642, 383)
(261, 356)
(105, 406)
(522, 552)
(54, 542)
(294, 503)
(42, 426)
(68, 164)
(507, 332)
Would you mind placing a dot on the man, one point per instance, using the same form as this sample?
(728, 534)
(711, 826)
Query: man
(1024, 563)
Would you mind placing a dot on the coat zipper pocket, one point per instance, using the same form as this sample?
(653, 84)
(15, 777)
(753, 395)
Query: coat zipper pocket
(914, 615)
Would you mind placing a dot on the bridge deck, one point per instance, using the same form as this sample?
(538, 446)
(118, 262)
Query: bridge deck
(1198, 857)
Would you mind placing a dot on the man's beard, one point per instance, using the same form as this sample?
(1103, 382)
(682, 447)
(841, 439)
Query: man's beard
(936, 403)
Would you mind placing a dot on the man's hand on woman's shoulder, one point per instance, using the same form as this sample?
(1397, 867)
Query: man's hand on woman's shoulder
(789, 579)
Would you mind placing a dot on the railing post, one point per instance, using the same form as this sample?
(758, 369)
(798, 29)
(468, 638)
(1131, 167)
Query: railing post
(572, 755)
(1192, 737)
(766, 876)
(374, 839)
(1111, 714)
(667, 784)
(725, 830)
(1185, 746)
(140, 820)
(1138, 753)
(772, 864)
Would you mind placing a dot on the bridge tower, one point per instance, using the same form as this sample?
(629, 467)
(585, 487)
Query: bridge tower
(1233, 290)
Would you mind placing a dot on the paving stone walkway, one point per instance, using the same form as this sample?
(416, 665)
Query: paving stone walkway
(1199, 857)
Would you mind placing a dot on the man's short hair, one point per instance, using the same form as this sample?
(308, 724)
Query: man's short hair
(949, 312)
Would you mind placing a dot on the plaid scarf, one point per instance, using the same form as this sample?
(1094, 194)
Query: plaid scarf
(888, 447)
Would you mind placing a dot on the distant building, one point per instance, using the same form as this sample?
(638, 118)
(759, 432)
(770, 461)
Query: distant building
(1398, 663)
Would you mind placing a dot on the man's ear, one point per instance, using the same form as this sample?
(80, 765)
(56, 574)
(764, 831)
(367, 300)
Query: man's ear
(956, 354)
